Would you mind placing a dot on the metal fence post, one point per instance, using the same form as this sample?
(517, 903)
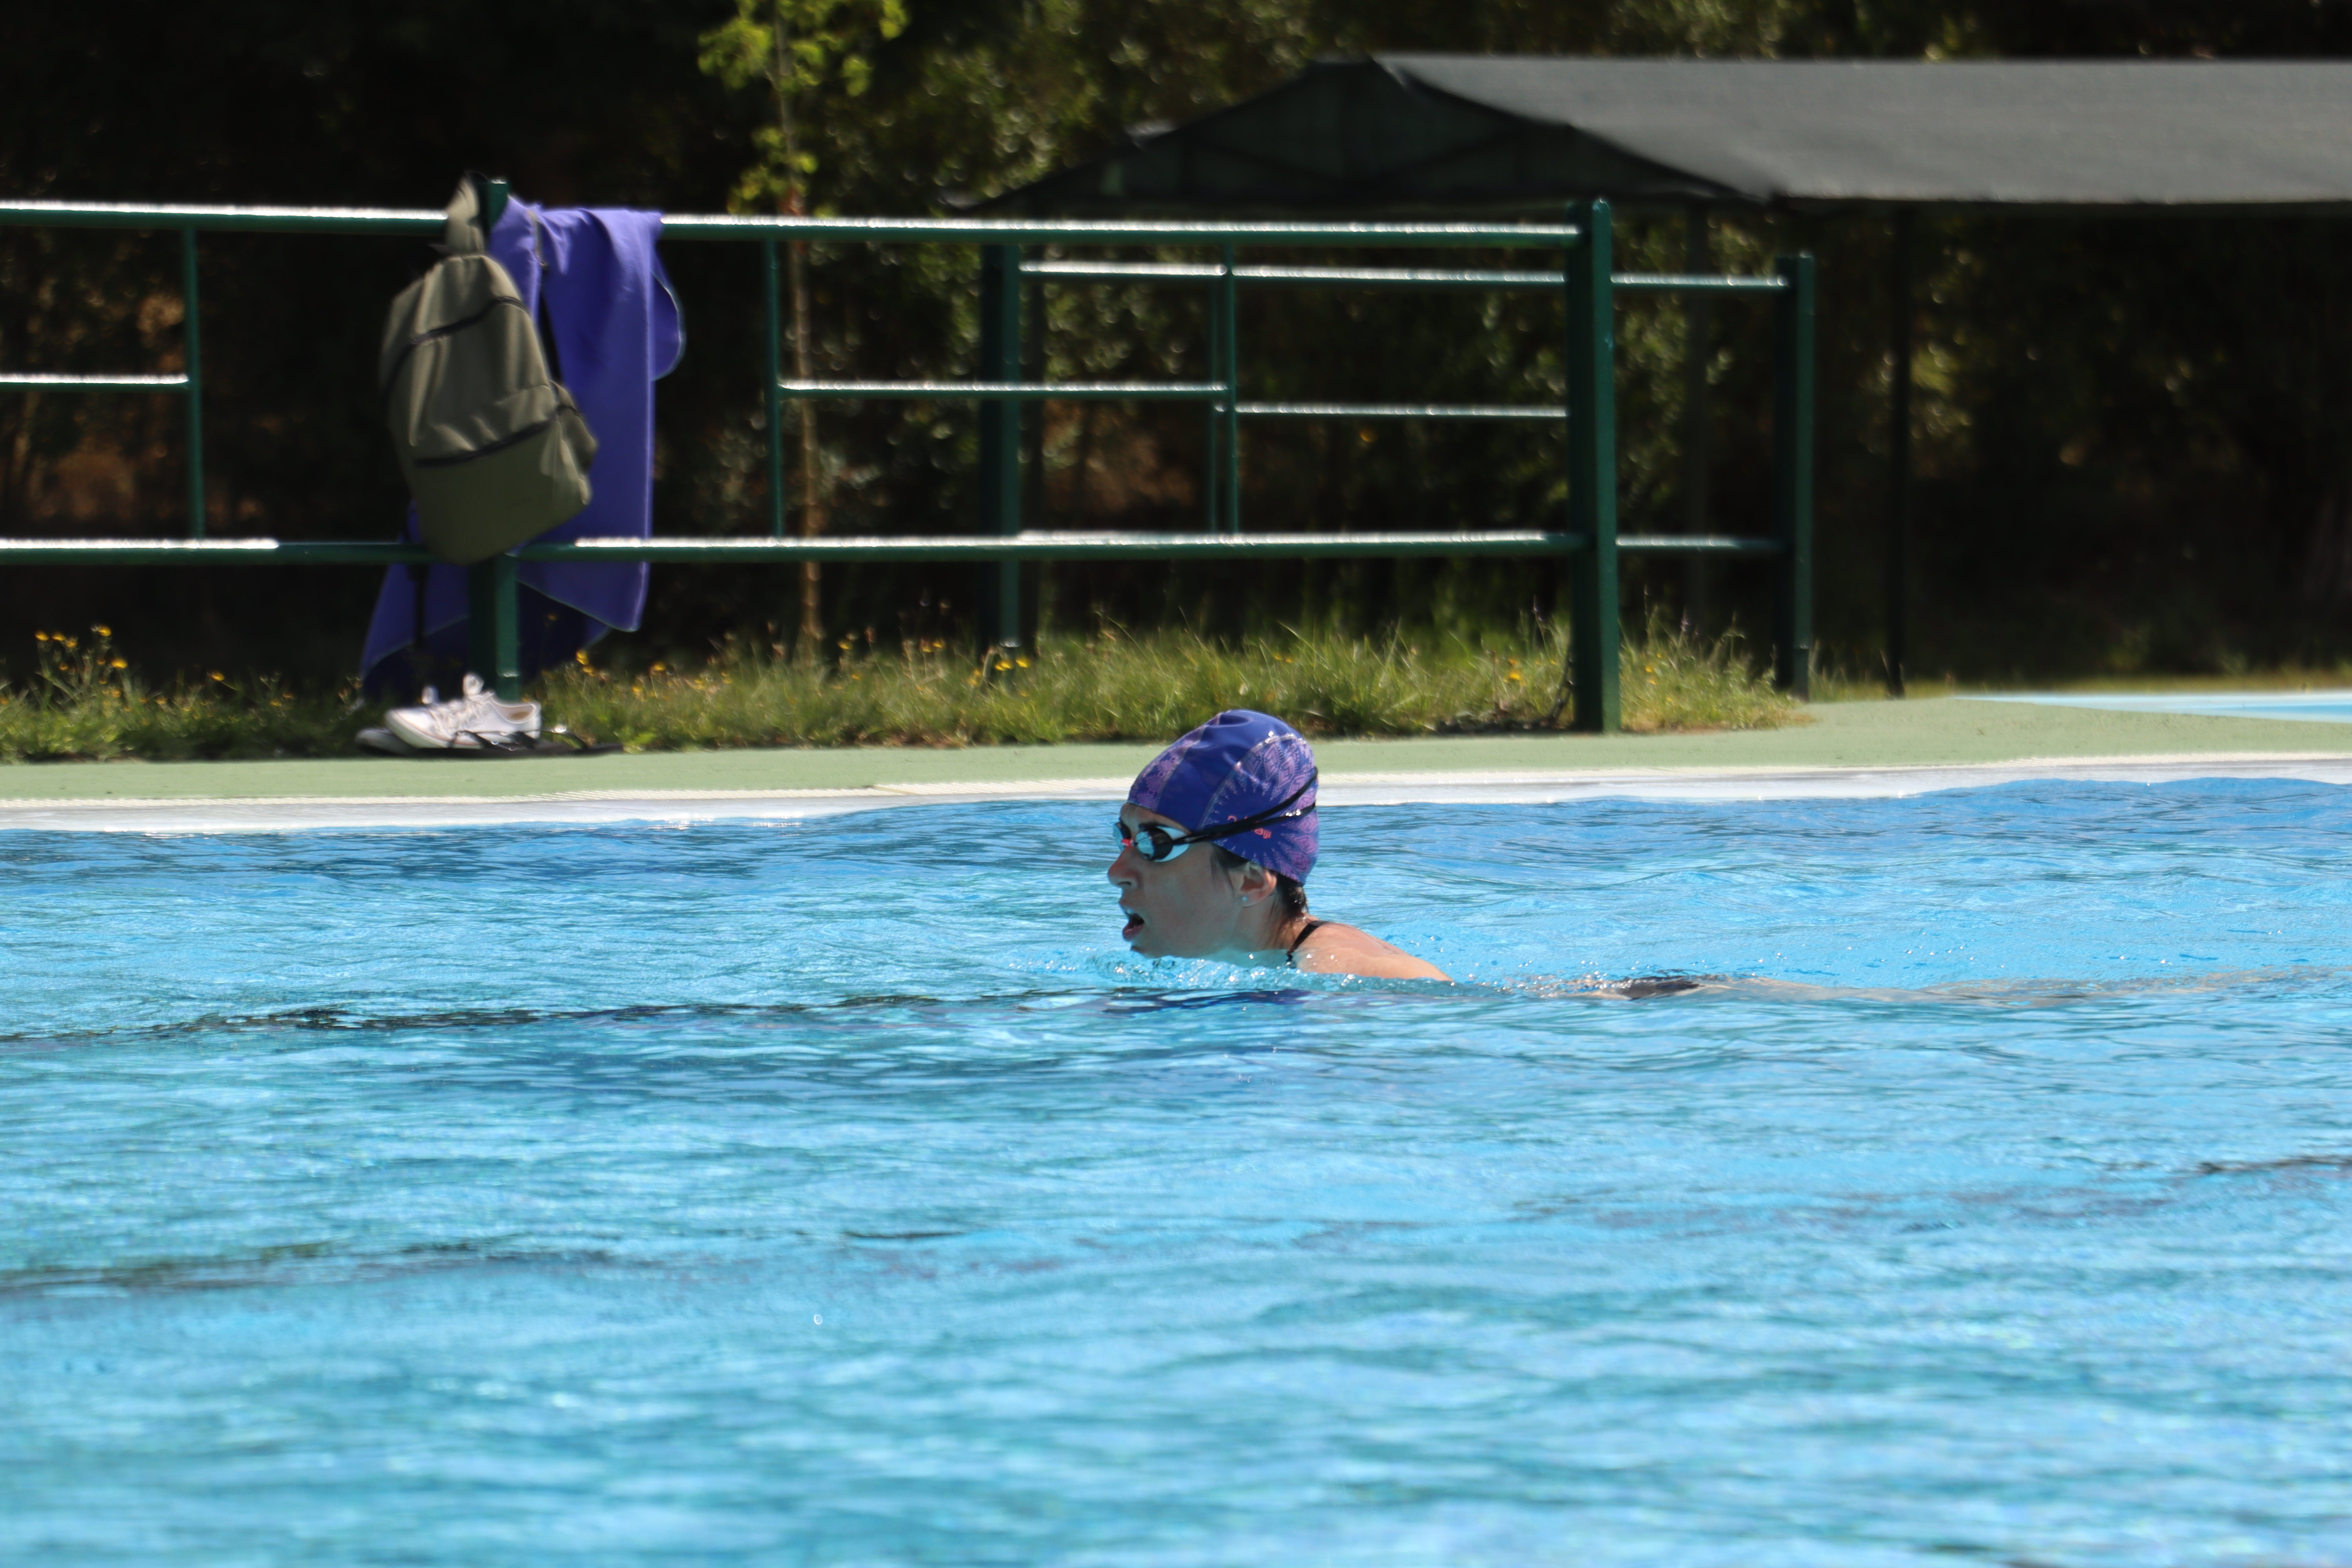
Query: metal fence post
(775, 393)
(1000, 427)
(492, 611)
(1898, 458)
(1593, 471)
(192, 341)
(1697, 346)
(1212, 450)
(1228, 476)
(1792, 475)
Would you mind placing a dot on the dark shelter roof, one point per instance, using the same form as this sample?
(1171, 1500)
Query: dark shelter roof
(1407, 131)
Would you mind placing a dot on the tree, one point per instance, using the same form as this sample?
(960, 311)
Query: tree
(797, 49)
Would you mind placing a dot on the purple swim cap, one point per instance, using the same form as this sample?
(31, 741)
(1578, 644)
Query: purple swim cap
(1239, 764)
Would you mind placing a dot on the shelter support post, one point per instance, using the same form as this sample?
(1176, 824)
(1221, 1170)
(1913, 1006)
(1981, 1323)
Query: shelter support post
(1000, 431)
(1699, 339)
(494, 649)
(192, 341)
(1898, 459)
(1593, 471)
(1792, 475)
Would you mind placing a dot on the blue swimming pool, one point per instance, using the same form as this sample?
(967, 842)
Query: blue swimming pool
(836, 1192)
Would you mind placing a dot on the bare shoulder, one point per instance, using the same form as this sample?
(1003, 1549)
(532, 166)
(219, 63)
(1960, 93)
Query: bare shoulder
(1336, 949)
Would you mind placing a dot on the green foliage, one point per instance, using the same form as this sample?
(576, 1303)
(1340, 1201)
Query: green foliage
(795, 49)
(1116, 685)
(86, 705)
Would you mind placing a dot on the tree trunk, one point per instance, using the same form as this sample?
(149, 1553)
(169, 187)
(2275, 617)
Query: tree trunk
(796, 205)
(812, 474)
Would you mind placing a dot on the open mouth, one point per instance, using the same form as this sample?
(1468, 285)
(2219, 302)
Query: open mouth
(1134, 925)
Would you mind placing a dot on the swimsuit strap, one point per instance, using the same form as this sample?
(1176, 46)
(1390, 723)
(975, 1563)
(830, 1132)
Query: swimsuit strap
(1310, 929)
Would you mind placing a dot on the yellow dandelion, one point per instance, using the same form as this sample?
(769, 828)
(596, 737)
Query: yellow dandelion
(120, 663)
(218, 676)
(41, 636)
(103, 631)
(1021, 662)
(1002, 665)
(581, 659)
(1513, 676)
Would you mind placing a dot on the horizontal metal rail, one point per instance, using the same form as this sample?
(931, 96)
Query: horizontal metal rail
(872, 230)
(1046, 545)
(1700, 544)
(1696, 283)
(1413, 277)
(1101, 231)
(1155, 391)
(1420, 280)
(14, 380)
(198, 552)
(1014, 391)
(1031, 545)
(222, 219)
(1127, 272)
(1552, 412)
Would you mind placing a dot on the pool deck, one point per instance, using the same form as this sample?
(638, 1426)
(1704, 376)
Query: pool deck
(1849, 749)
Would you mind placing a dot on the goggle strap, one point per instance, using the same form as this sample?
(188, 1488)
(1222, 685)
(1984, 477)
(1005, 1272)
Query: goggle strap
(1262, 819)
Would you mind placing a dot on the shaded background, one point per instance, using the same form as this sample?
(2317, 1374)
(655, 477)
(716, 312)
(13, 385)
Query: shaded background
(2129, 434)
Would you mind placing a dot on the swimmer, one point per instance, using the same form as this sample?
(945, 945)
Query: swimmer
(1214, 844)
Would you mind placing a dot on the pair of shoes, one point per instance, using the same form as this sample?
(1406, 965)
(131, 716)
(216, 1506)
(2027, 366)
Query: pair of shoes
(471, 723)
(556, 742)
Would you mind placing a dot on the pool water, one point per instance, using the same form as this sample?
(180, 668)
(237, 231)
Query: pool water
(838, 1191)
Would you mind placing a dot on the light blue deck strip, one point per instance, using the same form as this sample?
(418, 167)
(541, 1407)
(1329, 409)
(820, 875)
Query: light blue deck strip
(2310, 707)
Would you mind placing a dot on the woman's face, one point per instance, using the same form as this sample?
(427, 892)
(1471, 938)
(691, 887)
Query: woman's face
(1184, 908)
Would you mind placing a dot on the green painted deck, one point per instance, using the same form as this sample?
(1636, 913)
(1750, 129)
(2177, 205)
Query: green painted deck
(1921, 732)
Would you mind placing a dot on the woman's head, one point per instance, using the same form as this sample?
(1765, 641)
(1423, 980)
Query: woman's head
(1218, 892)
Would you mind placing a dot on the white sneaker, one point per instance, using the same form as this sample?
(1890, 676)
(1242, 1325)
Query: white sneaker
(470, 723)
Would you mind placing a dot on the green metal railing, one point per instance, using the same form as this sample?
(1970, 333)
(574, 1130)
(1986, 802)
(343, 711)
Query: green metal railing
(1590, 539)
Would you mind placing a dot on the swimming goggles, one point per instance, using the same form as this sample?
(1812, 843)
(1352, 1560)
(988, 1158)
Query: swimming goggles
(1160, 844)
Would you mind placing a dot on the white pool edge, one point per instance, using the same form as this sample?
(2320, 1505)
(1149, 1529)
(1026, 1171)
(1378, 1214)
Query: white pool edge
(681, 807)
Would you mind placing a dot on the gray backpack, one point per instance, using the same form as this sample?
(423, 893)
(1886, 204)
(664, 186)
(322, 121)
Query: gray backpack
(494, 449)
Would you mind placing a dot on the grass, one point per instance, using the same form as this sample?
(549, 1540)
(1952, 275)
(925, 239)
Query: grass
(86, 703)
